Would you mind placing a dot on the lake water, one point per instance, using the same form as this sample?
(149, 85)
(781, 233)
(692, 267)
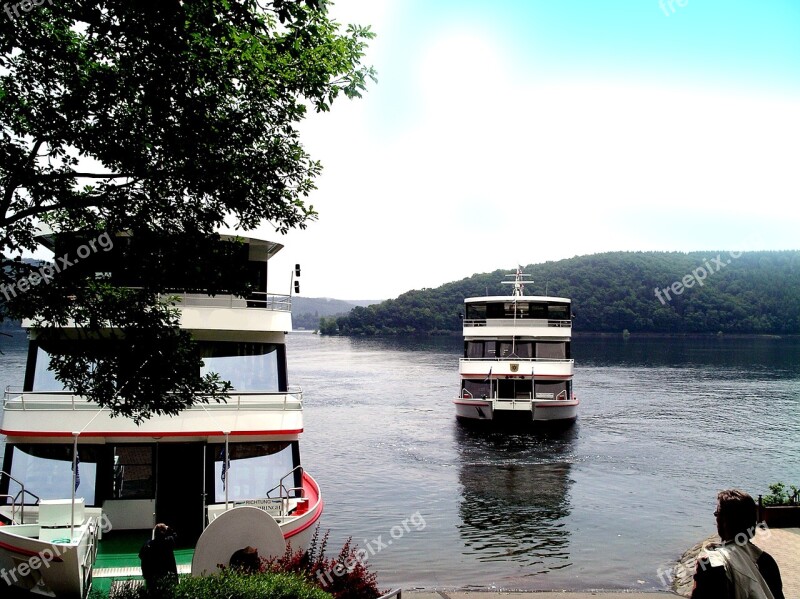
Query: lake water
(663, 425)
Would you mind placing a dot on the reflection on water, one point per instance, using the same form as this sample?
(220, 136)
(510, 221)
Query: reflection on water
(515, 496)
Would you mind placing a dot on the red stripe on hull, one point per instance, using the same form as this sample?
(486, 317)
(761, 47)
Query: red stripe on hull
(28, 552)
(556, 404)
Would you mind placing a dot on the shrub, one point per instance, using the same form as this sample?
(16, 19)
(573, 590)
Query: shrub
(227, 585)
(345, 576)
(780, 495)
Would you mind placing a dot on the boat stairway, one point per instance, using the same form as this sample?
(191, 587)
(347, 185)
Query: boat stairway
(132, 571)
(13, 511)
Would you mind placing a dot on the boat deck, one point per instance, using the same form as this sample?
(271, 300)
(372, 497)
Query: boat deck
(118, 555)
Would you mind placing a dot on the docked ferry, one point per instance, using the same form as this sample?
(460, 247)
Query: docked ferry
(78, 485)
(516, 365)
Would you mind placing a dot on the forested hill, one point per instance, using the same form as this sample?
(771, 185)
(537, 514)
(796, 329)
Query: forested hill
(701, 292)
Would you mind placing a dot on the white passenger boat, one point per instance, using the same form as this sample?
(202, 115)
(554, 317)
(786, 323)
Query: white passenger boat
(74, 479)
(516, 365)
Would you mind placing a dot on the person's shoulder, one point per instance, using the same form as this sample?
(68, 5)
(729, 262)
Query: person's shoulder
(146, 548)
(767, 560)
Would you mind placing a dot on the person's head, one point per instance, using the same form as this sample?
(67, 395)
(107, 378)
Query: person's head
(736, 516)
(246, 560)
(161, 531)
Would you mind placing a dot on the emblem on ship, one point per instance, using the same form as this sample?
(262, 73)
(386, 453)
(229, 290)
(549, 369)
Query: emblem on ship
(514, 367)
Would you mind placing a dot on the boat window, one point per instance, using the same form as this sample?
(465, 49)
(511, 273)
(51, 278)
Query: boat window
(536, 310)
(133, 472)
(476, 311)
(549, 389)
(504, 348)
(495, 311)
(558, 312)
(477, 388)
(556, 351)
(521, 309)
(524, 349)
(490, 349)
(253, 469)
(248, 366)
(474, 349)
(44, 379)
(46, 471)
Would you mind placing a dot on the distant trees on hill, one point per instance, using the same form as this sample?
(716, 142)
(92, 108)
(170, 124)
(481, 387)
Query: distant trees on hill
(652, 292)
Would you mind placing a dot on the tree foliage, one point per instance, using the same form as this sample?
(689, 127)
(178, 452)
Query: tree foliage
(165, 119)
(756, 292)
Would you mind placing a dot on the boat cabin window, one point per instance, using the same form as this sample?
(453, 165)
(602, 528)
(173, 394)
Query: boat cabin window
(46, 471)
(501, 349)
(519, 309)
(523, 349)
(477, 388)
(557, 350)
(474, 349)
(133, 472)
(254, 469)
(44, 379)
(480, 349)
(476, 311)
(550, 389)
(248, 366)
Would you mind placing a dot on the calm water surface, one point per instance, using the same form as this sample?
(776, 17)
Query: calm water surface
(664, 424)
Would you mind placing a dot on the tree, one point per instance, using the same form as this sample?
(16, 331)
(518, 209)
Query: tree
(166, 119)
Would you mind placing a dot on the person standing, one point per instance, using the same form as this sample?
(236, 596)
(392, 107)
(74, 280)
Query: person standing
(158, 558)
(736, 569)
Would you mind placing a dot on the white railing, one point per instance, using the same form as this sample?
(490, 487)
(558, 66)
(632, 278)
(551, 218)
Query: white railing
(518, 322)
(517, 359)
(236, 401)
(257, 300)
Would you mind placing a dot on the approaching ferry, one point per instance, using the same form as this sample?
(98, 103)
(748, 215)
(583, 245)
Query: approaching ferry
(78, 485)
(517, 366)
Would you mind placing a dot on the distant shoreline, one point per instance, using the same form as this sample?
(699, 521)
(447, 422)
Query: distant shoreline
(685, 335)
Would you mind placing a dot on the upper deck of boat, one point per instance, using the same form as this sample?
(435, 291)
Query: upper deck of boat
(531, 299)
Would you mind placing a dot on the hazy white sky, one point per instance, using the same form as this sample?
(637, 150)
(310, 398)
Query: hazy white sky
(504, 132)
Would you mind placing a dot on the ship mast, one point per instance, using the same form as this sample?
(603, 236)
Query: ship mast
(519, 290)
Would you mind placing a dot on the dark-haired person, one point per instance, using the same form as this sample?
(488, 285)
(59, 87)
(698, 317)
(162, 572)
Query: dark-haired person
(736, 569)
(158, 558)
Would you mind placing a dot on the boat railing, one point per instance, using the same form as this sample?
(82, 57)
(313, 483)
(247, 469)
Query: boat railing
(284, 490)
(257, 299)
(292, 399)
(516, 322)
(518, 359)
(18, 500)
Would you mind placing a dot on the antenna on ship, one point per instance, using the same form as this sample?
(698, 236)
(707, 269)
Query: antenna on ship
(520, 279)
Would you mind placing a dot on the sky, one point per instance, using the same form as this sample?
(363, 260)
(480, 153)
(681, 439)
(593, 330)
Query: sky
(506, 132)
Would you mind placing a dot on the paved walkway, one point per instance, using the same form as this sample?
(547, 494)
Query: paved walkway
(536, 595)
(784, 545)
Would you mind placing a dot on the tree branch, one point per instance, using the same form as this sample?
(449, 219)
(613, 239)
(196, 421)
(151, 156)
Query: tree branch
(8, 194)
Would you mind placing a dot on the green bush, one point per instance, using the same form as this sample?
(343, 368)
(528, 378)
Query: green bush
(228, 585)
(780, 495)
